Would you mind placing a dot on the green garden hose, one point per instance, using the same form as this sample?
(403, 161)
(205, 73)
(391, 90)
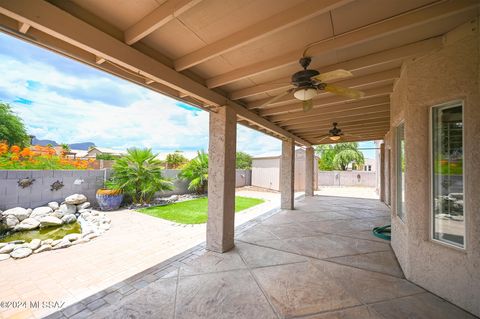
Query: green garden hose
(383, 232)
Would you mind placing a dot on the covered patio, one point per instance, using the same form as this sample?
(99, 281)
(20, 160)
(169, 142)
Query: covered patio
(317, 256)
(317, 261)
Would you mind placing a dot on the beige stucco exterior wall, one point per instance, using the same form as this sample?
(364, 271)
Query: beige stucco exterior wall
(448, 74)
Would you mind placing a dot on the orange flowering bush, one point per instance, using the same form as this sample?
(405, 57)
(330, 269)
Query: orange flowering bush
(37, 157)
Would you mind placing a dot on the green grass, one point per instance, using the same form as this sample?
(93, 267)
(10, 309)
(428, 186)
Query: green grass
(194, 211)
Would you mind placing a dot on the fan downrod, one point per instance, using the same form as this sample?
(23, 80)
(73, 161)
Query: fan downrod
(305, 62)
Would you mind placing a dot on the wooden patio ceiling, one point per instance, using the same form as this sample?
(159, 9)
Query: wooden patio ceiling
(241, 53)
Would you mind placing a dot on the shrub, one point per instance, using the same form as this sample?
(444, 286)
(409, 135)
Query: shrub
(12, 130)
(37, 157)
(196, 171)
(139, 175)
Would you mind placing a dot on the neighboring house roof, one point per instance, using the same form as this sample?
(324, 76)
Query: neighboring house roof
(79, 153)
(105, 150)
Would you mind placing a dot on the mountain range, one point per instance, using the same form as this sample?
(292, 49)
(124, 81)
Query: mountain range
(74, 146)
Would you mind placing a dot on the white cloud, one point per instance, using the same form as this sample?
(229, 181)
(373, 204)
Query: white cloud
(119, 115)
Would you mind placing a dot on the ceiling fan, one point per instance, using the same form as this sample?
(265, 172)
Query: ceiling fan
(307, 84)
(335, 134)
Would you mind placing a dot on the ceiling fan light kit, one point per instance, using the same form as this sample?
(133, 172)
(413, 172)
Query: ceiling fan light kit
(307, 83)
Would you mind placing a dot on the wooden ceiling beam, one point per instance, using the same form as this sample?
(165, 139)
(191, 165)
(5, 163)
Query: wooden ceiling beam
(375, 59)
(378, 108)
(365, 130)
(165, 13)
(329, 101)
(347, 123)
(59, 24)
(323, 111)
(382, 113)
(405, 21)
(344, 127)
(280, 21)
(349, 139)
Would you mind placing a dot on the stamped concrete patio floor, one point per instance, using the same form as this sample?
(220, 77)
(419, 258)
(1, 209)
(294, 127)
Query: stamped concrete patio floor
(318, 261)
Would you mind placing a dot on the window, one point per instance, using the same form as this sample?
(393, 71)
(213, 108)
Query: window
(400, 168)
(447, 174)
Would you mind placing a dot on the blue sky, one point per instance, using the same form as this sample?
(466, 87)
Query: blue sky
(66, 101)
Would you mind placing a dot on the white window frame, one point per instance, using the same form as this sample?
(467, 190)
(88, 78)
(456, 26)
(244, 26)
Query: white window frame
(431, 166)
(397, 175)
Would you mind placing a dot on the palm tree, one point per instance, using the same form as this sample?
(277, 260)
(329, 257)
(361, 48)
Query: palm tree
(196, 171)
(347, 153)
(139, 174)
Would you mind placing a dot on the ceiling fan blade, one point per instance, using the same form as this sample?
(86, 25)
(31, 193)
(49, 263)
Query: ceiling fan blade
(333, 75)
(322, 137)
(307, 105)
(348, 92)
(276, 98)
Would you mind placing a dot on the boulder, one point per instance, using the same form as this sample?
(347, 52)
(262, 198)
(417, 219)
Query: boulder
(62, 244)
(34, 244)
(68, 219)
(83, 206)
(43, 248)
(4, 256)
(91, 236)
(11, 221)
(7, 249)
(53, 205)
(72, 237)
(21, 253)
(55, 242)
(47, 241)
(19, 212)
(40, 212)
(3, 245)
(27, 224)
(58, 214)
(68, 209)
(48, 221)
(76, 199)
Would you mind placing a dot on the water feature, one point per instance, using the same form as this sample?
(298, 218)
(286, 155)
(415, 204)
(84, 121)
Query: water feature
(54, 233)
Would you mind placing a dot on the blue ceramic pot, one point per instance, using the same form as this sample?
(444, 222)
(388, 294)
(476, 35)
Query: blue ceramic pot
(109, 202)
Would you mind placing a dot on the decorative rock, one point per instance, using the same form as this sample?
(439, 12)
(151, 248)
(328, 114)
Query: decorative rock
(27, 224)
(83, 206)
(68, 219)
(34, 244)
(62, 244)
(43, 248)
(68, 209)
(72, 237)
(58, 214)
(11, 221)
(47, 241)
(48, 221)
(17, 242)
(7, 248)
(53, 205)
(91, 236)
(21, 253)
(19, 212)
(40, 212)
(56, 242)
(4, 256)
(3, 245)
(29, 211)
(76, 199)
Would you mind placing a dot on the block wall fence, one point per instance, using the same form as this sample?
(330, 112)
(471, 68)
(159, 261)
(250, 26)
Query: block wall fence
(74, 181)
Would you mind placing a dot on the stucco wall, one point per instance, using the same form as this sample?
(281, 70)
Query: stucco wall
(347, 178)
(448, 74)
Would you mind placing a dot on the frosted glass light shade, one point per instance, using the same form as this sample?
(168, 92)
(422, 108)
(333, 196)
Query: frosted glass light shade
(305, 94)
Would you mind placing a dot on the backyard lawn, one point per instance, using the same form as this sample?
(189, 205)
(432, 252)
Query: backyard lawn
(194, 211)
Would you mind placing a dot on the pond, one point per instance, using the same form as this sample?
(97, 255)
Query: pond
(44, 233)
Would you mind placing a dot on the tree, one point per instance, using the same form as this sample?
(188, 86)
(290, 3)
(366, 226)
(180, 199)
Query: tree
(139, 175)
(347, 153)
(339, 156)
(244, 161)
(65, 147)
(196, 171)
(12, 129)
(326, 153)
(175, 160)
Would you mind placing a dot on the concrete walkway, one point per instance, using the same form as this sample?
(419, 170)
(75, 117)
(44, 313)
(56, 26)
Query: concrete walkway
(318, 261)
(134, 243)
